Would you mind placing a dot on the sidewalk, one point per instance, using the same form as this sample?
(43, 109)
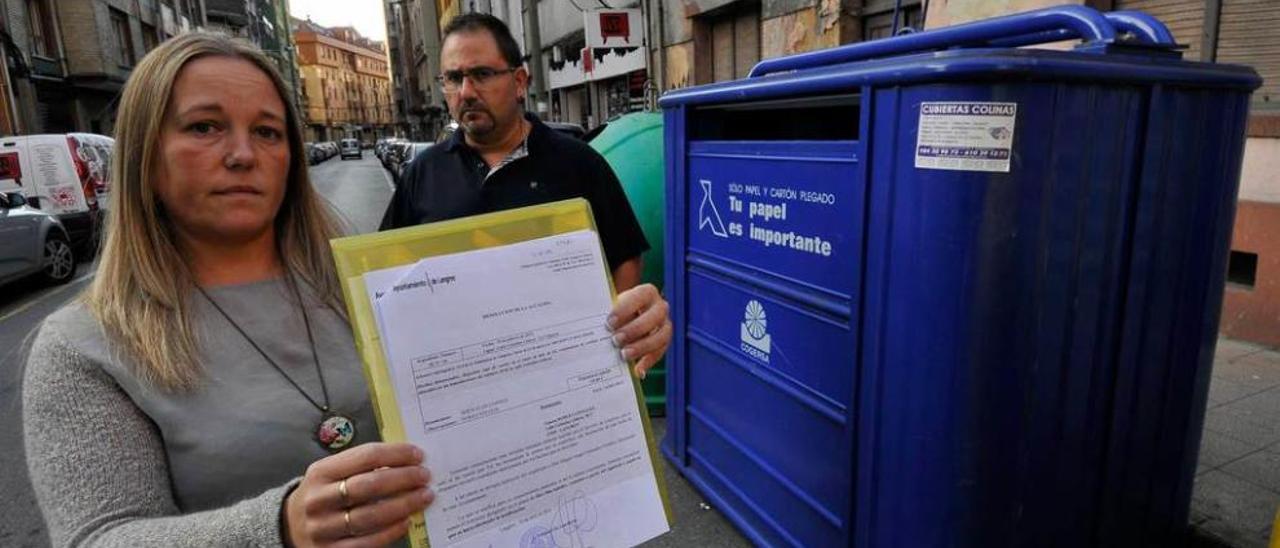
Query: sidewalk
(1237, 487)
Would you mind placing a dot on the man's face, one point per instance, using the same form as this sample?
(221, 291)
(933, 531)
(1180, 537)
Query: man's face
(487, 109)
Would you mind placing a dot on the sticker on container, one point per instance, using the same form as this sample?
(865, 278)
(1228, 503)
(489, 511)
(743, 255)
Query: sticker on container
(966, 136)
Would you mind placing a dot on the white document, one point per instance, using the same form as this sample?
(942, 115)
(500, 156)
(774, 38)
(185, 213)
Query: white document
(506, 377)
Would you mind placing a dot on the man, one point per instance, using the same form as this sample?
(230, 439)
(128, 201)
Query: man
(501, 158)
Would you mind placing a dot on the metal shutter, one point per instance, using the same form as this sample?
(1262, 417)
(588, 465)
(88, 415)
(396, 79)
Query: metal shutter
(1249, 34)
(746, 42)
(722, 49)
(1185, 19)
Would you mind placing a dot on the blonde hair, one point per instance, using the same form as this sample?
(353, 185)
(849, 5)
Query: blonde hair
(140, 294)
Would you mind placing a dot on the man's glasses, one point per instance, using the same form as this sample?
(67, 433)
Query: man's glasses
(451, 80)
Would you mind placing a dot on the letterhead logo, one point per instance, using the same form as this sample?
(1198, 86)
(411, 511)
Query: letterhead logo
(755, 331)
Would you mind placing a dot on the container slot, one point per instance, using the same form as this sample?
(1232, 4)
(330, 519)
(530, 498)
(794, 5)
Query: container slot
(821, 118)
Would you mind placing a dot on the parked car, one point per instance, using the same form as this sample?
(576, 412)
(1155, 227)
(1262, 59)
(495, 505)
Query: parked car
(32, 242)
(385, 152)
(351, 147)
(380, 147)
(312, 153)
(66, 175)
(395, 155)
(409, 154)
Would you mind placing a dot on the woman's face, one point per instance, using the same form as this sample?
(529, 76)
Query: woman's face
(224, 153)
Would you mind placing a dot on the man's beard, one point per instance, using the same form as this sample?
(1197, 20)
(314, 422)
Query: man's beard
(477, 126)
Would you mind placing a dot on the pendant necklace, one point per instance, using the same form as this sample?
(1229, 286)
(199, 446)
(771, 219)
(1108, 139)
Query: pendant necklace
(335, 430)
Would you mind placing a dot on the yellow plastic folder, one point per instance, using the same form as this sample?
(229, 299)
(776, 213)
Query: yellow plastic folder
(1275, 531)
(358, 255)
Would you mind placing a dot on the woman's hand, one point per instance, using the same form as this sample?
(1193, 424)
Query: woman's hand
(641, 326)
(363, 496)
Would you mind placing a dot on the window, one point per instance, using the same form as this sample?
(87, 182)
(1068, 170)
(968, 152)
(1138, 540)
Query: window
(1242, 268)
(41, 22)
(149, 40)
(120, 22)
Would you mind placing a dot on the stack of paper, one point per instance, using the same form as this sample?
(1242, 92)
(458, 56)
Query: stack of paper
(504, 372)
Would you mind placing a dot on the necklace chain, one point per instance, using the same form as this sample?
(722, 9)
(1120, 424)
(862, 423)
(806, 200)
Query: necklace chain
(310, 340)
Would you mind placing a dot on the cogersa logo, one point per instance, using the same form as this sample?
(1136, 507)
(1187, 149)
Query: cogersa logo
(755, 331)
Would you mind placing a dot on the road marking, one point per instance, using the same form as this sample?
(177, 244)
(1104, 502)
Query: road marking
(41, 298)
(390, 184)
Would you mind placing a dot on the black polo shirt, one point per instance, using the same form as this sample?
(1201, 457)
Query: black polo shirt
(451, 180)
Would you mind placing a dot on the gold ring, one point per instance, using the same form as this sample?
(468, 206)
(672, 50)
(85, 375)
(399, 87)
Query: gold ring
(342, 490)
(346, 517)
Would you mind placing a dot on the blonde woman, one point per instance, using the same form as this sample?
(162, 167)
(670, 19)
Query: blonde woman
(205, 391)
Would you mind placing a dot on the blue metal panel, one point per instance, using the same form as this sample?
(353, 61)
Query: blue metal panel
(1143, 31)
(1183, 220)
(991, 297)
(798, 360)
(1146, 27)
(793, 206)
(676, 441)
(1010, 65)
(986, 357)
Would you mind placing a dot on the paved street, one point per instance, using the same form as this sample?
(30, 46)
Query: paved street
(1237, 483)
(358, 189)
(1237, 490)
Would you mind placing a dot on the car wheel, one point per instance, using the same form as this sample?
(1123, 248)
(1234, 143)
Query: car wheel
(59, 260)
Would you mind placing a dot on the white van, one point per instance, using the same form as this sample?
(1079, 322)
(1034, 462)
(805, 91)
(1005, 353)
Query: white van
(62, 174)
(351, 147)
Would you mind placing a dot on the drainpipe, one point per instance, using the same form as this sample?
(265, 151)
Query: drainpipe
(533, 47)
(662, 52)
(14, 123)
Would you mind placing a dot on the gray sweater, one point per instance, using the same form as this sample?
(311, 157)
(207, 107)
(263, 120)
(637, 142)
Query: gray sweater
(115, 462)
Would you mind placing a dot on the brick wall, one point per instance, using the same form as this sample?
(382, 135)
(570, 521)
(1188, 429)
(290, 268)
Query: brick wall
(1252, 311)
(83, 35)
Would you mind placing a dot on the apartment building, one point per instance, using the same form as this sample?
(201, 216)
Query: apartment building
(346, 83)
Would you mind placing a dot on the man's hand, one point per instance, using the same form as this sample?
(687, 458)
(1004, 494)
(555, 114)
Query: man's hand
(641, 326)
(627, 275)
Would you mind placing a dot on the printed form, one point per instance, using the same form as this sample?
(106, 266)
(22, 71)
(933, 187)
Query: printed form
(506, 377)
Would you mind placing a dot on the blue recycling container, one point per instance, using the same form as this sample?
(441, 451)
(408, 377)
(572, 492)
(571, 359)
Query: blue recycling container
(937, 290)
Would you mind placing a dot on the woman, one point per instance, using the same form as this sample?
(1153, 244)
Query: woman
(192, 396)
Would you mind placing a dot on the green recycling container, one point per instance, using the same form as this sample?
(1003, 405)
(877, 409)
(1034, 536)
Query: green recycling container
(633, 145)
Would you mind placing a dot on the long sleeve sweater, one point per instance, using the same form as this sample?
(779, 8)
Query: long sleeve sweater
(117, 462)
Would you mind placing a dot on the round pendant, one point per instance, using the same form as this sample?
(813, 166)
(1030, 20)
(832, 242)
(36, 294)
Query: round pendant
(336, 432)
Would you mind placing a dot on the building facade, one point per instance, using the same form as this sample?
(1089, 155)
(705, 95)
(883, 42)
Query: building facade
(610, 59)
(346, 83)
(392, 14)
(66, 60)
(265, 23)
(413, 35)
